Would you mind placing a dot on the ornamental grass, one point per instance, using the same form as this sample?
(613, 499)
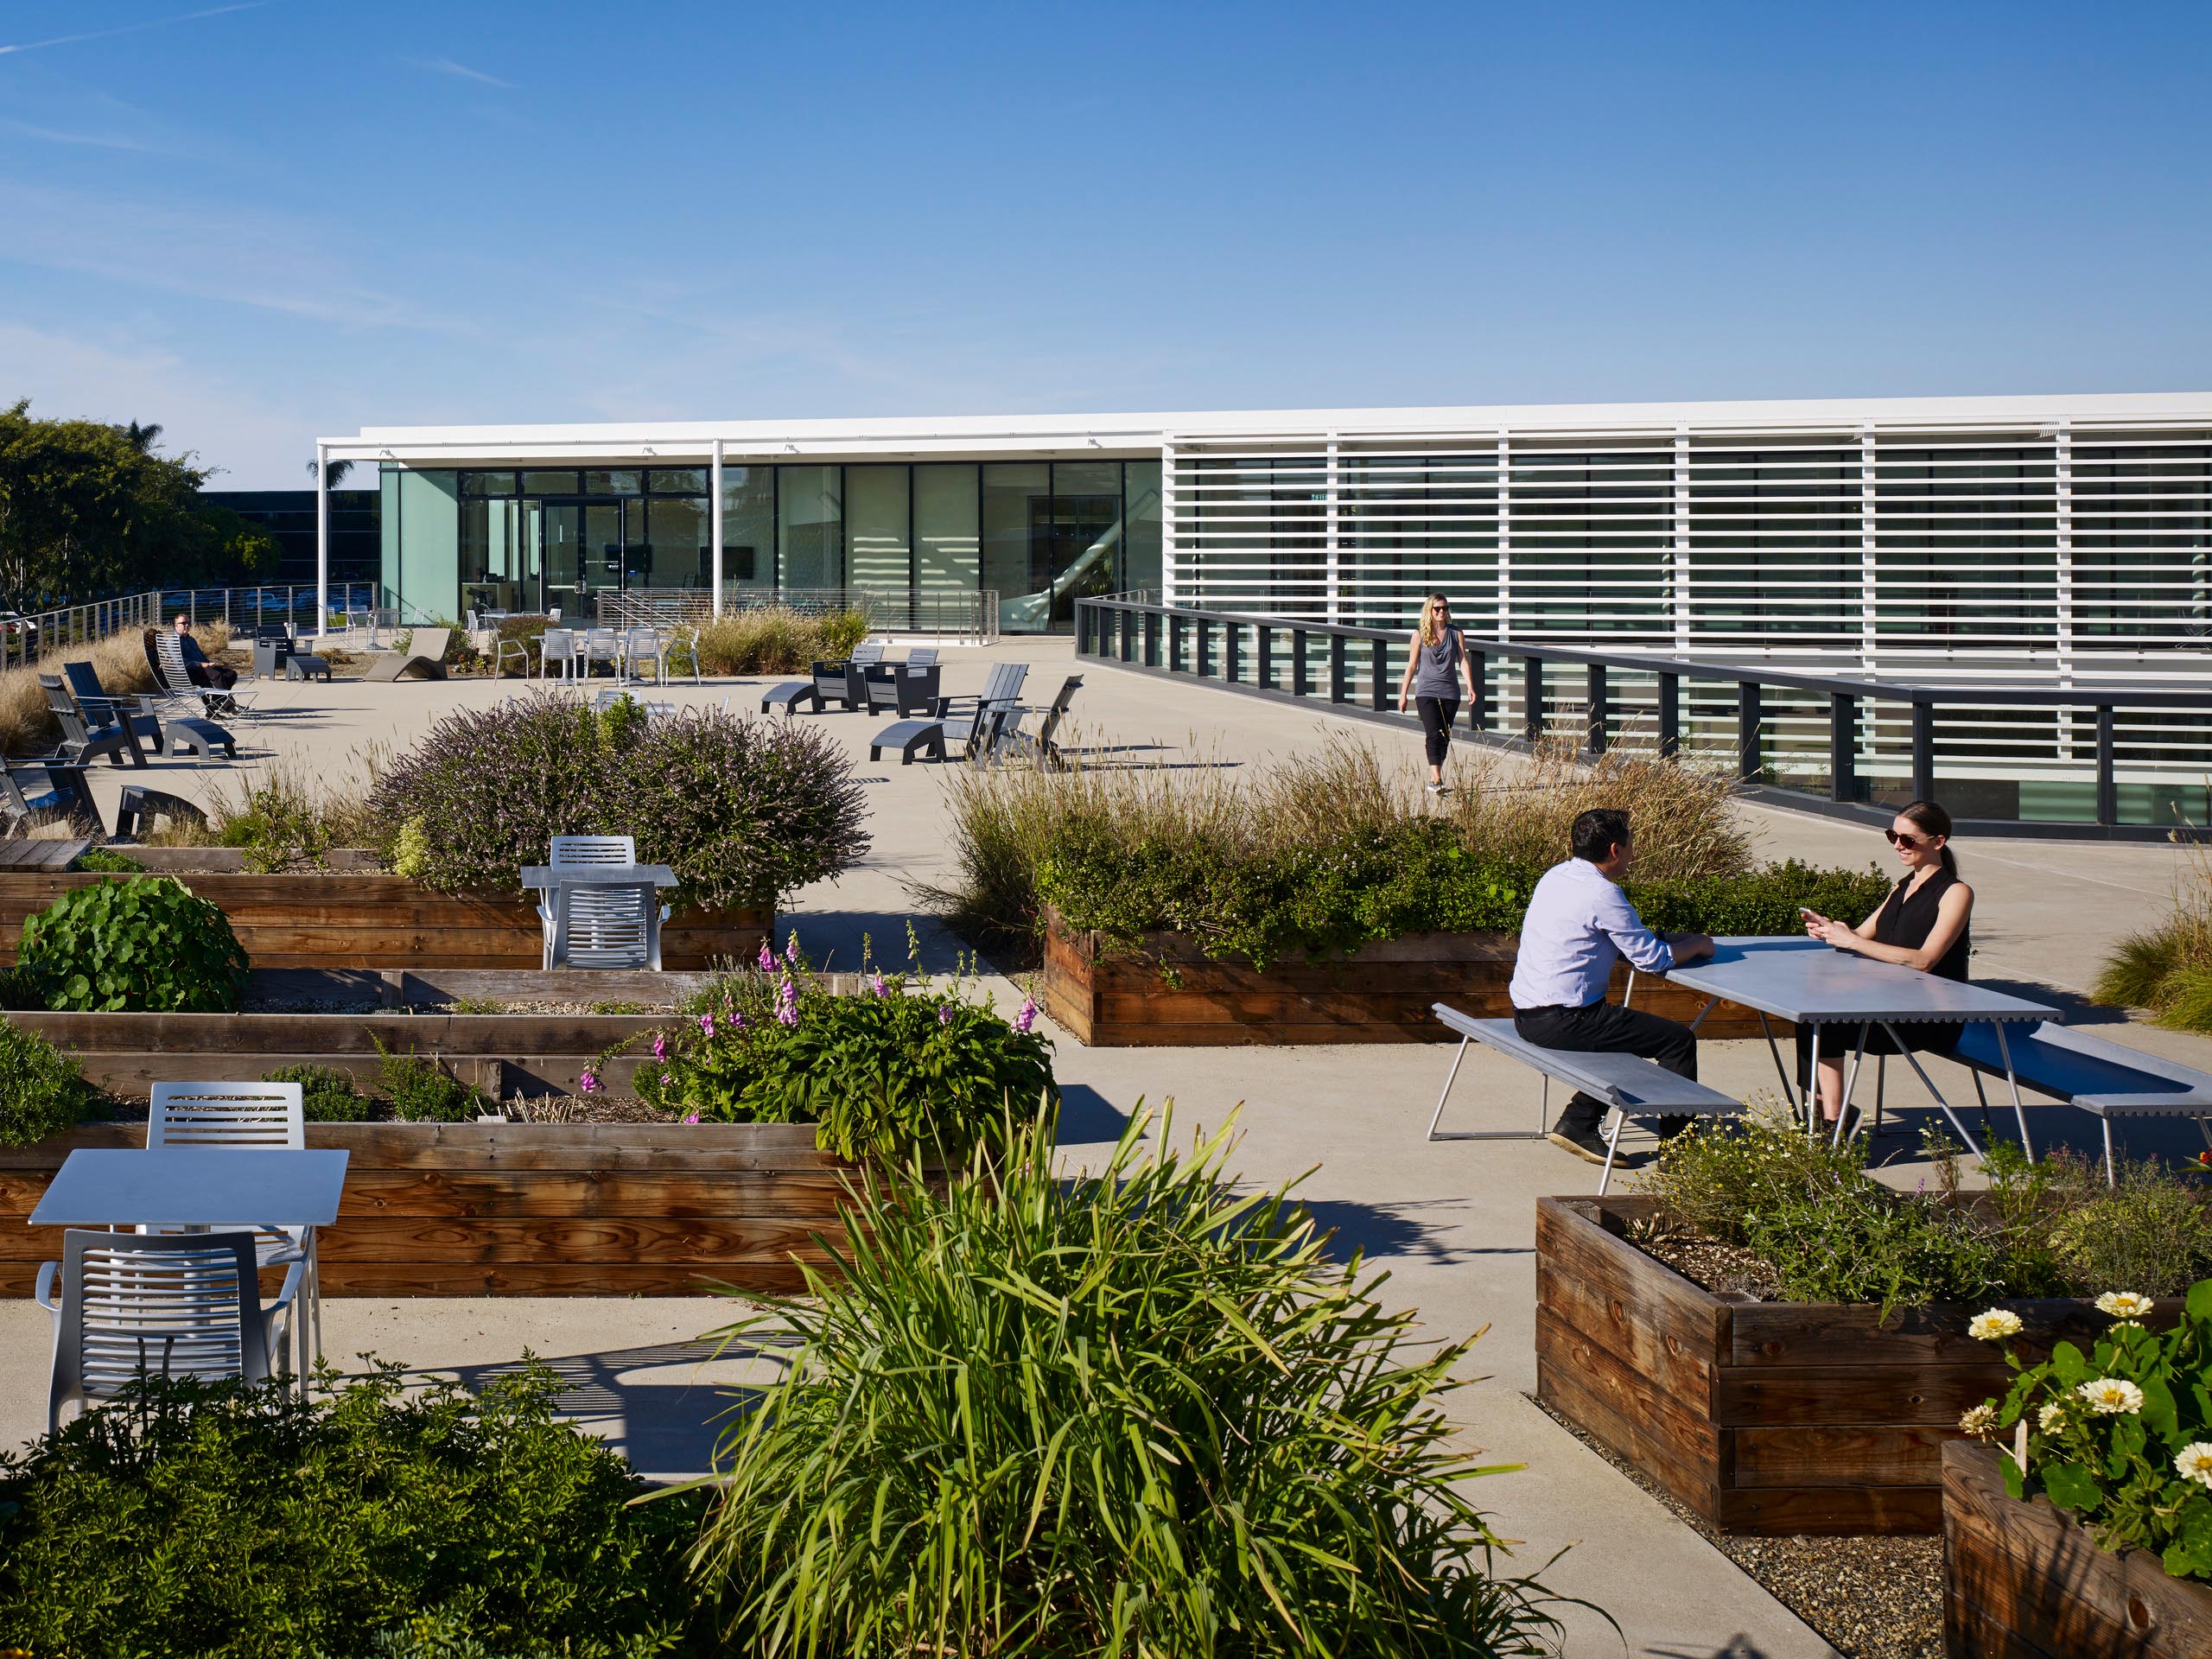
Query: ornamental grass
(777, 640)
(27, 726)
(2168, 968)
(1137, 1413)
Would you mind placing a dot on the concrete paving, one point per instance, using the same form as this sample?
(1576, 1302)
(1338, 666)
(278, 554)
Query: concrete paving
(1452, 1222)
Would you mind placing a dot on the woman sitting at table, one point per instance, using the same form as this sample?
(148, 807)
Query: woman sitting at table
(1924, 924)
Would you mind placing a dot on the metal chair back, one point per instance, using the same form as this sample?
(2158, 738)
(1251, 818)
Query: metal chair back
(171, 1304)
(643, 645)
(606, 927)
(921, 657)
(556, 645)
(867, 650)
(594, 850)
(225, 1114)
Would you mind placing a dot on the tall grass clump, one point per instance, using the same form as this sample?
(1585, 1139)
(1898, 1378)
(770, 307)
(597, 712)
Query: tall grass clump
(776, 639)
(2167, 970)
(26, 726)
(287, 817)
(1137, 1413)
(1327, 851)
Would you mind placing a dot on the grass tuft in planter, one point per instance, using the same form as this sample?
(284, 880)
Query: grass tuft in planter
(1140, 1412)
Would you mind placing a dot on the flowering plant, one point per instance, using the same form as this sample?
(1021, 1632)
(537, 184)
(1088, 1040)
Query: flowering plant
(2120, 1437)
(899, 1069)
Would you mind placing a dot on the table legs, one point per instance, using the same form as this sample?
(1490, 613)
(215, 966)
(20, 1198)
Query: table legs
(1929, 1084)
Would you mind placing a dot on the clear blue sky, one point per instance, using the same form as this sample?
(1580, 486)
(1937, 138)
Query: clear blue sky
(265, 222)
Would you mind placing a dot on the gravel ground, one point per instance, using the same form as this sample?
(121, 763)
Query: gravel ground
(1867, 1597)
(368, 1004)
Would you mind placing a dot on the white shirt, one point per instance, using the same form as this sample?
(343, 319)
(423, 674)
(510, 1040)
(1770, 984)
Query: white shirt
(1578, 924)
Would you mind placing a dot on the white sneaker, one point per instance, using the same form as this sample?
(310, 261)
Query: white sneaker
(1434, 789)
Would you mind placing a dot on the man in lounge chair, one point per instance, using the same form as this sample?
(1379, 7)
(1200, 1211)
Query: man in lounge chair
(1578, 924)
(216, 677)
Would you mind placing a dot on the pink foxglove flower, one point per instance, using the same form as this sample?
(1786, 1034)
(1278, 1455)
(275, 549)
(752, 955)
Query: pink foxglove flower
(665, 1080)
(589, 1082)
(878, 987)
(1027, 1017)
(660, 1045)
(692, 1118)
(707, 1024)
(768, 958)
(790, 948)
(943, 1014)
(787, 1003)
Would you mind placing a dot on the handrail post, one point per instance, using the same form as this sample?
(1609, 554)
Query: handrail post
(2107, 759)
(1532, 699)
(1264, 675)
(1843, 746)
(1478, 709)
(1232, 650)
(1339, 676)
(1600, 711)
(1152, 638)
(1202, 631)
(1923, 749)
(1174, 643)
(1748, 761)
(1670, 715)
(1298, 662)
(1378, 674)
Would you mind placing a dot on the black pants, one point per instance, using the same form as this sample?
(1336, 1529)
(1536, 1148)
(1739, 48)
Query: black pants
(1839, 1041)
(216, 677)
(1604, 1028)
(1437, 714)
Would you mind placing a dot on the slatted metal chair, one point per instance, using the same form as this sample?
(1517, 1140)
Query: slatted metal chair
(604, 927)
(228, 1116)
(615, 850)
(642, 645)
(170, 1304)
(173, 676)
(181, 706)
(557, 645)
(600, 645)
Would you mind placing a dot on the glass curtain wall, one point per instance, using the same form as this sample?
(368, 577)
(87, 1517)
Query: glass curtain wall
(811, 513)
(879, 550)
(749, 530)
(948, 520)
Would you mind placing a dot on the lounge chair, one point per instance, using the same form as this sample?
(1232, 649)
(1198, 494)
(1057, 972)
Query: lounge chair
(172, 680)
(181, 715)
(275, 651)
(138, 809)
(904, 690)
(91, 733)
(426, 650)
(1011, 739)
(973, 723)
(33, 793)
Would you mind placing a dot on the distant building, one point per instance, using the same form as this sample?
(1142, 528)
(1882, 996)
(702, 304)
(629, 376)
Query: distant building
(356, 532)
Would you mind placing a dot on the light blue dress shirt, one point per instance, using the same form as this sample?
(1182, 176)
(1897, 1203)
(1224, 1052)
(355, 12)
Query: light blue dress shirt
(1578, 924)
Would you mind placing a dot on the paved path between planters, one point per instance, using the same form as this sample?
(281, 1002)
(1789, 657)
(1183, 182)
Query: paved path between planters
(1452, 1223)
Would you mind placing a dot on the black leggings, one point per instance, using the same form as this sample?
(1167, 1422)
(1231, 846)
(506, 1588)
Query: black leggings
(1437, 714)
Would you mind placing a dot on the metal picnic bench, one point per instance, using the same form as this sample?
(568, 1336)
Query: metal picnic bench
(1629, 1087)
(2100, 1077)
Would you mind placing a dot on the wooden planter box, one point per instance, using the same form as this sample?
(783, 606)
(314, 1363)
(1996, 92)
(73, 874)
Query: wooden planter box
(525, 1209)
(1762, 1417)
(1112, 997)
(2024, 1580)
(360, 918)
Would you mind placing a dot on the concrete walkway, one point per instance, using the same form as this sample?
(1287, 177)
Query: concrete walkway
(1452, 1222)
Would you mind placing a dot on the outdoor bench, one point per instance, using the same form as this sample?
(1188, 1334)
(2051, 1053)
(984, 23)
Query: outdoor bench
(2100, 1077)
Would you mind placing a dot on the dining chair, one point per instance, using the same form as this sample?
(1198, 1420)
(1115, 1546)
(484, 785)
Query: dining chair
(641, 646)
(169, 1304)
(259, 1115)
(604, 927)
(557, 645)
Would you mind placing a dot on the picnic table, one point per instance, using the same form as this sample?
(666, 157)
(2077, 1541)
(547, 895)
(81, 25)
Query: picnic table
(1808, 982)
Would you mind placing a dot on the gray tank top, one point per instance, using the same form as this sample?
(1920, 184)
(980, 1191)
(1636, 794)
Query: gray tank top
(1436, 668)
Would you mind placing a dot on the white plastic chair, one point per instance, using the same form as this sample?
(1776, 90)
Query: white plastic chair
(559, 645)
(172, 1303)
(641, 646)
(249, 1114)
(604, 927)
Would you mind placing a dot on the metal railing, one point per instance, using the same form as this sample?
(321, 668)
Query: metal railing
(28, 635)
(251, 607)
(2131, 760)
(965, 614)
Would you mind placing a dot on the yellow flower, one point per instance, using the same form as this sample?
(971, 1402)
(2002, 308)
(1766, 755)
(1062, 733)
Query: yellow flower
(2112, 1396)
(2124, 1304)
(2195, 1462)
(1980, 1421)
(1994, 1326)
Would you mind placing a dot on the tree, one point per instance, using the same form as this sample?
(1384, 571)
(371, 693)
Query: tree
(338, 470)
(141, 438)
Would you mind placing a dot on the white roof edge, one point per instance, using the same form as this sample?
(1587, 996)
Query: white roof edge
(1122, 431)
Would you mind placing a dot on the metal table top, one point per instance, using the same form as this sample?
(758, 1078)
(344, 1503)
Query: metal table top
(597, 875)
(1806, 981)
(194, 1186)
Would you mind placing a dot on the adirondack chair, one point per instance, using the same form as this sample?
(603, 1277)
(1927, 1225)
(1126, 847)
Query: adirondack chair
(1040, 746)
(90, 735)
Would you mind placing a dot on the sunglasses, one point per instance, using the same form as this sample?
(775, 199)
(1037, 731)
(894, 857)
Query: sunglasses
(1914, 842)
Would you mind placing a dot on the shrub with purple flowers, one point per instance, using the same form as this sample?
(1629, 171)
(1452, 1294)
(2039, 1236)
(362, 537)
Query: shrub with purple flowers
(744, 811)
(895, 1071)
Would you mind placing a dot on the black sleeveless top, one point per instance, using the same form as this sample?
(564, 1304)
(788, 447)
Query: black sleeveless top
(1907, 919)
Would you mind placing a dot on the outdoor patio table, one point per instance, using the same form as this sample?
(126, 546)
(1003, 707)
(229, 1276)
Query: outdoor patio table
(1816, 984)
(198, 1187)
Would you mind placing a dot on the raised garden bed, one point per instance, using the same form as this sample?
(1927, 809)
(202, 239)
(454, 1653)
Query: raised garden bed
(1762, 1417)
(356, 917)
(525, 1209)
(1168, 993)
(2023, 1579)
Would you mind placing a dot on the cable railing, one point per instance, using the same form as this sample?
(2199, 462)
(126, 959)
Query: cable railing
(293, 606)
(2131, 759)
(958, 613)
(26, 636)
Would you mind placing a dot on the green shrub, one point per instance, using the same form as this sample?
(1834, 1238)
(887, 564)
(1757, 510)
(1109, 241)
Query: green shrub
(742, 810)
(145, 943)
(774, 639)
(287, 820)
(422, 1091)
(327, 1095)
(223, 1521)
(2121, 1437)
(1138, 1412)
(41, 1090)
(105, 862)
(2148, 1233)
(890, 1073)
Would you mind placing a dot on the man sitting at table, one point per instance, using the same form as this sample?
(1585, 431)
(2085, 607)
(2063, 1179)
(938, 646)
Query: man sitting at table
(1578, 924)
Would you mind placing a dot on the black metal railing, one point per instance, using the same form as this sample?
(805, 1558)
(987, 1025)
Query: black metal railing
(2130, 759)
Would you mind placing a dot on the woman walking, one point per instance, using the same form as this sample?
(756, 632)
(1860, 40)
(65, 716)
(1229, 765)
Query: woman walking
(1923, 924)
(1436, 665)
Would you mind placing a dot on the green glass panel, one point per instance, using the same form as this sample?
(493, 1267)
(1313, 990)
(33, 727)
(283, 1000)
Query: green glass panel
(878, 548)
(946, 526)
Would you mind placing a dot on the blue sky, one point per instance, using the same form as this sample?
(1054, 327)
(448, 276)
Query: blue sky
(258, 223)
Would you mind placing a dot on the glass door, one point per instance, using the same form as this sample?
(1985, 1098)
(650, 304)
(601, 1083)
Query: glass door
(581, 546)
(1072, 542)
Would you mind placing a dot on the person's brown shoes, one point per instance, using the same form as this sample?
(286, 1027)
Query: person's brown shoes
(1587, 1146)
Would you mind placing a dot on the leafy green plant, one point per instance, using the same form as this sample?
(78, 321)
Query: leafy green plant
(1140, 1412)
(143, 943)
(41, 1090)
(104, 860)
(327, 1095)
(2148, 1231)
(2120, 1437)
(889, 1073)
(773, 639)
(226, 1521)
(422, 1091)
